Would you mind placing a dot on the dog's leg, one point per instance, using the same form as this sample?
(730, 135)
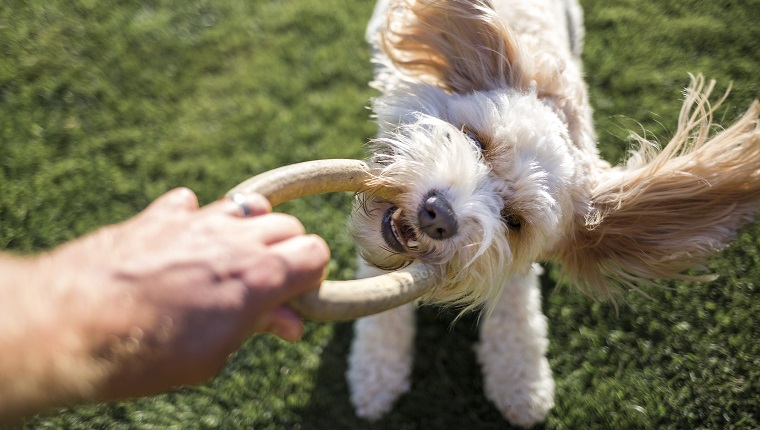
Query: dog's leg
(380, 362)
(512, 350)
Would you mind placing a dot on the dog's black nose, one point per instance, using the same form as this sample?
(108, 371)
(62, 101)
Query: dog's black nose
(437, 218)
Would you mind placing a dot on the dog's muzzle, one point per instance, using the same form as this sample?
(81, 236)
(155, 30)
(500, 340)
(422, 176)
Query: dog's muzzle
(435, 218)
(342, 300)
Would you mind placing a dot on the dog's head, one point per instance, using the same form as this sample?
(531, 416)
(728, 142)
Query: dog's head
(483, 166)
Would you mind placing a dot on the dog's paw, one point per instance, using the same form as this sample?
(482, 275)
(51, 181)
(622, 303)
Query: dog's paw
(524, 403)
(376, 386)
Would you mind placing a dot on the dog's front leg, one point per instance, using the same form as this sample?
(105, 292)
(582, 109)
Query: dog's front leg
(512, 353)
(380, 362)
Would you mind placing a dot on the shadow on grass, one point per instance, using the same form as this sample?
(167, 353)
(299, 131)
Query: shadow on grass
(447, 386)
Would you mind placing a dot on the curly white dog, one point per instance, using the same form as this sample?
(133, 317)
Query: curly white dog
(486, 128)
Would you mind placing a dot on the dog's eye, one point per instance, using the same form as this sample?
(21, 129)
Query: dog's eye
(512, 221)
(475, 139)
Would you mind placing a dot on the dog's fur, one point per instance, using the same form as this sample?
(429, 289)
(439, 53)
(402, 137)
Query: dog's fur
(484, 104)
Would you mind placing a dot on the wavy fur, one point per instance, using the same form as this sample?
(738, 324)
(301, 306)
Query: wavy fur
(459, 46)
(667, 211)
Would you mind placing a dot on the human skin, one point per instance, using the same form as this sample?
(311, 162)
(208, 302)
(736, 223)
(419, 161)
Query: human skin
(150, 304)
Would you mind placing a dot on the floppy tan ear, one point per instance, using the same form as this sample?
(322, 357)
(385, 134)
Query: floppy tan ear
(460, 46)
(666, 212)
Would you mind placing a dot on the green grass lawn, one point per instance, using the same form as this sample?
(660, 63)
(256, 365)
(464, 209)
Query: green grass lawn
(104, 107)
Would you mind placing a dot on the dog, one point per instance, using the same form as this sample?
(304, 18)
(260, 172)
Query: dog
(485, 129)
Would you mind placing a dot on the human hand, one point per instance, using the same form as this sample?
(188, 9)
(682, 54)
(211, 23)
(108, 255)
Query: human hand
(165, 297)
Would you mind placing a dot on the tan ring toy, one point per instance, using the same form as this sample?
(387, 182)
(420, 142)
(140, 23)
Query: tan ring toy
(340, 300)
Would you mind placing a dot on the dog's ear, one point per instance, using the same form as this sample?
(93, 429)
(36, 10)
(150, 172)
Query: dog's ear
(460, 46)
(667, 211)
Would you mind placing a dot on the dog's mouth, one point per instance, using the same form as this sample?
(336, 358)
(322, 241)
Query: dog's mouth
(398, 234)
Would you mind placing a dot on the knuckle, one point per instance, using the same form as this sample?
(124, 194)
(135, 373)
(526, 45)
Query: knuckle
(259, 204)
(185, 198)
(269, 271)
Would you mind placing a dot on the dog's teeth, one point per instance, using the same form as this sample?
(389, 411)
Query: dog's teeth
(411, 244)
(394, 230)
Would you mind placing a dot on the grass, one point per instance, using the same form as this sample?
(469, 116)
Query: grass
(103, 107)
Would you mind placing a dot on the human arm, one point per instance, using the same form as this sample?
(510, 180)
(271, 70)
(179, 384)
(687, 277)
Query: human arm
(150, 304)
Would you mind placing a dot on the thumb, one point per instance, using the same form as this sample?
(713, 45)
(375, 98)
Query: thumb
(284, 323)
